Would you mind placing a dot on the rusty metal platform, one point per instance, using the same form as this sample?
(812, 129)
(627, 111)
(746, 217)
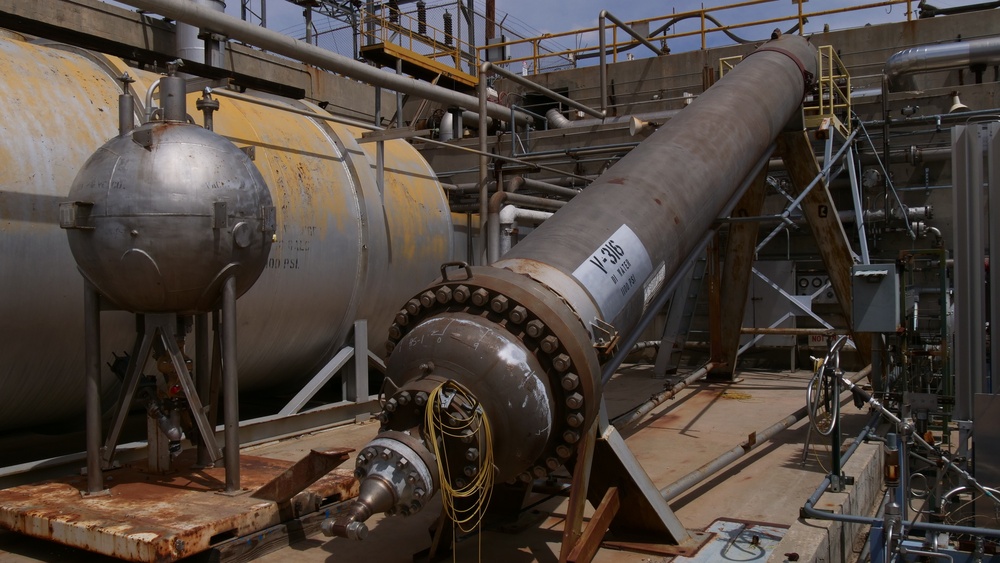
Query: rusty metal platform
(160, 518)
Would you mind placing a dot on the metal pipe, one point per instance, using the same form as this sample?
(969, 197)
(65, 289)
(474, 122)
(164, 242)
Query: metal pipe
(223, 93)
(685, 483)
(92, 344)
(488, 68)
(794, 331)
(637, 414)
(509, 215)
(660, 301)
(900, 67)
(483, 162)
(557, 120)
(603, 42)
(230, 386)
(555, 285)
(282, 44)
(638, 37)
(496, 202)
(548, 188)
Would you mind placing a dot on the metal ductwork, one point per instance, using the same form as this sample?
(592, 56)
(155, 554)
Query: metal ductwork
(520, 344)
(901, 67)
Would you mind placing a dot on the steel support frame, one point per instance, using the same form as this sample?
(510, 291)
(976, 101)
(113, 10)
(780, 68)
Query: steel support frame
(737, 269)
(824, 222)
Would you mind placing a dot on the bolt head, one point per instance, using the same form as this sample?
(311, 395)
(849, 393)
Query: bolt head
(390, 405)
(549, 344)
(570, 381)
(518, 314)
(575, 420)
(539, 471)
(480, 297)
(412, 307)
(524, 477)
(420, 399)
(461, 294)
(552, 463)
(395, 332)
(564, 451)
(443, 294)
(571, 437)
(403, 399)
(471, 454)
(470, 470)
(562, 362)
(386, 453)
(535, 328)
(359, 473)
(402, 318)
(428, 298)
(499, 304)
(574, 401)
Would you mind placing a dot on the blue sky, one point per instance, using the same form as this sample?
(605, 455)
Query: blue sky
(534, 17)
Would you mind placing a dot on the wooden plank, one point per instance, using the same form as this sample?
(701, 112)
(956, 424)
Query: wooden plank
(586, 547)
(578, 493)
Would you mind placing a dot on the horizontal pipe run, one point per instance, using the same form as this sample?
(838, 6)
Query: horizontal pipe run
(488, 68)
(279, 43)
(685, 483)
(795, 331)
(636, 415)
(531, 165)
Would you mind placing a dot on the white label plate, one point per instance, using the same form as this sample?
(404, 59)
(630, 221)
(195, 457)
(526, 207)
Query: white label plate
(615, 272)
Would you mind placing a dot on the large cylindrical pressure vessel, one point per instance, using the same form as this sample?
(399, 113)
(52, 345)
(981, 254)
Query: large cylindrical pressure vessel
(586, 274)
(343, 250)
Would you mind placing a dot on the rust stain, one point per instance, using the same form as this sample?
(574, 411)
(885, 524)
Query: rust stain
(156, 518)
(677, 220)
(657, 200)
(618, 181)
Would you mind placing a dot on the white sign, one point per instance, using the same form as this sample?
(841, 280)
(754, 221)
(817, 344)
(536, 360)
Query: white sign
(615, 272)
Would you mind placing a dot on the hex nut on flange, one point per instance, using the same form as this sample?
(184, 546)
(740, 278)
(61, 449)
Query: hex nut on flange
(480, 297)
(461, 294)
(561, 362)
(535, 328)
(518, 314)
(444, 294)
(570, 381)
(412, 307)
(499, 304)
(428, 298)
(574, 401)
(549, 344)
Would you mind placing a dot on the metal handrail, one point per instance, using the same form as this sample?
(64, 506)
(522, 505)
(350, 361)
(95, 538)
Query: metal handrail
(539, 54)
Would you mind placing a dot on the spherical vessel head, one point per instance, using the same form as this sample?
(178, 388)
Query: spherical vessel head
(172, 210)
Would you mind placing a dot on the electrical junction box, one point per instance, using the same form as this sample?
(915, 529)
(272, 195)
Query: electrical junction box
(876, 297)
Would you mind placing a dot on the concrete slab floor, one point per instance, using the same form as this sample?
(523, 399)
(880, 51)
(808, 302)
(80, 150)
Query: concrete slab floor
(767, 485)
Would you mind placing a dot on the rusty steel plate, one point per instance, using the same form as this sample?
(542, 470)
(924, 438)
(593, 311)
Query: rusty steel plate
(158, 518)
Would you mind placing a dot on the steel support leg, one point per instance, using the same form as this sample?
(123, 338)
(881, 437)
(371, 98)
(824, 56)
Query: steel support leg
(92, 346)
(140, 353)
(203, 378)
(737, 270)
(230, 386)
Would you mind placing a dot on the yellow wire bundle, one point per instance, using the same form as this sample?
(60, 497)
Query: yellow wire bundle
(481, 485)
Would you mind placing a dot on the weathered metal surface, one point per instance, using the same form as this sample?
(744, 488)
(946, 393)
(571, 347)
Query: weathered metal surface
(737, 270)
(341, 252)
(158, 518)
(303, 473)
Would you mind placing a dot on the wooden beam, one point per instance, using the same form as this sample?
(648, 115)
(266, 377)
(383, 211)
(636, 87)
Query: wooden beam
(586, 547)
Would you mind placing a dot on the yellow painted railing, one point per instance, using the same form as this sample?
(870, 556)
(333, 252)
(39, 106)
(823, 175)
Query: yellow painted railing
(388, 24)
(833, 98)
(542, 57)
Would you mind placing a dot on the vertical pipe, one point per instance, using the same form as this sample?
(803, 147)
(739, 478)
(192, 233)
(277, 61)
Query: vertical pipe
(126, 113)
(230, 386)
(203, 378)
(604, 63)
(92, 346)
(993, 178)
(379, 146)
(859, 215)
(399, 97)
(484, 72)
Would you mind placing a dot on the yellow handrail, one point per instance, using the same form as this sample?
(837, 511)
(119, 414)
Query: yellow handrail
(539, 56)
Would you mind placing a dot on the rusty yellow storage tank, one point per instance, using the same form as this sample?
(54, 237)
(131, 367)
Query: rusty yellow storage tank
(344, 251)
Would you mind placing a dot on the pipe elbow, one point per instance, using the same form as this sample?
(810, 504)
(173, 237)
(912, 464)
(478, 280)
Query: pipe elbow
(514, 184)
(496, 202)
(508, 215)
